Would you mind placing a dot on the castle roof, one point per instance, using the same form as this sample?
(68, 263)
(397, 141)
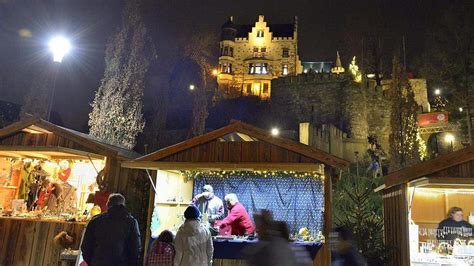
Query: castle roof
(278, 30)
(242, 30)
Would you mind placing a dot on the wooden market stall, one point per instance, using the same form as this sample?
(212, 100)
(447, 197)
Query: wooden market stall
(32, 150)
(417, 198)
(232, 149)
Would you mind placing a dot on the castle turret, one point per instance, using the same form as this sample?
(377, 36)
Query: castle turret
(337, 69)
(228, 30)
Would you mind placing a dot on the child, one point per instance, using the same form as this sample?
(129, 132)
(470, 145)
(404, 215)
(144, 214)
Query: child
(162, 251)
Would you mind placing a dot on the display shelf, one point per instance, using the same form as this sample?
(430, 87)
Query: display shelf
(10, 187)
(171, 203)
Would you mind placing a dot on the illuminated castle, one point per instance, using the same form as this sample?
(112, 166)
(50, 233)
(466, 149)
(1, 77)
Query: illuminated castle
(252, 55)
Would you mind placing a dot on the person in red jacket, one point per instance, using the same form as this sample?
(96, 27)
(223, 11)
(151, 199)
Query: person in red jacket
(237, 218)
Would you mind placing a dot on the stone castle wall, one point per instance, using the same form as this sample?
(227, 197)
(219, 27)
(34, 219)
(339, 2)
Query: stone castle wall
(357, 109)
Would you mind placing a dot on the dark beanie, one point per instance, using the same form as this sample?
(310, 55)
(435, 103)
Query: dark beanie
(192, 212)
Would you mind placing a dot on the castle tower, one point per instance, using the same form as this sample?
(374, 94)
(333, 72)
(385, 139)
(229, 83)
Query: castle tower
(252, 55)
(337, 69)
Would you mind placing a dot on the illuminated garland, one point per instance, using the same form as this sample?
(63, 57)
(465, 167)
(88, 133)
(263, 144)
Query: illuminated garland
(263, 174)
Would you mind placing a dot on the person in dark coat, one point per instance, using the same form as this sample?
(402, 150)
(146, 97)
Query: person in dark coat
(454, 226)
(112, 238)
(344, 250)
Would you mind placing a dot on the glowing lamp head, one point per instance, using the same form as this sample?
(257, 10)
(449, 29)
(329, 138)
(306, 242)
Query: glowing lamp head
(437, 92)
(461, 109)
(275, 131)
(59, 47)
(449, 138)
(214, 72)
(191, 87)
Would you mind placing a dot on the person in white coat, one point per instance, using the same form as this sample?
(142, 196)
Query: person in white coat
(193, 242)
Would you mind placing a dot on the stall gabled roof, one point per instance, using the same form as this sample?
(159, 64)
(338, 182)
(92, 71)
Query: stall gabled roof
(36, 124)
(429, 167)
(246, 132)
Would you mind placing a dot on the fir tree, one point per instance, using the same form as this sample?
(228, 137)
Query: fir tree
(404, 147)
(116, 115)
(359, 208)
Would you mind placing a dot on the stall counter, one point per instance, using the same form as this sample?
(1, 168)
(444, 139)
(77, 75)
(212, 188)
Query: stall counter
(232, 249)
(29, 241)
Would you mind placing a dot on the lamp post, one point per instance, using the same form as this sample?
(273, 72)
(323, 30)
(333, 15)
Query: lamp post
(59, 47)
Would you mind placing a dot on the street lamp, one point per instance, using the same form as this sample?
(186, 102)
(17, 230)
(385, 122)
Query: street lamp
(275, 131)
(214, 72)
(461, 109)
(450, 139)
(59, 47)
(437, 92)
(191, 87)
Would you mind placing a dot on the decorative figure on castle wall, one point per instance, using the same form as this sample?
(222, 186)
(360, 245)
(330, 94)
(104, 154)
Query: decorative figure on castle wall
(377, 155)
(354, 70)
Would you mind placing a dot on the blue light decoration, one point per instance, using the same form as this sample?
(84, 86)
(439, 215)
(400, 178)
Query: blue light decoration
(297, 198)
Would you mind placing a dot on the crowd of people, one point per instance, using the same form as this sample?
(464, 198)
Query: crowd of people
(113, 238)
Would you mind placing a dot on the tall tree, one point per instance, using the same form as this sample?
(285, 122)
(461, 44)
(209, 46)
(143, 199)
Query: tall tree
(37, 100)
(404, 146)
(116, 115)
(200, 50)
(448, 61)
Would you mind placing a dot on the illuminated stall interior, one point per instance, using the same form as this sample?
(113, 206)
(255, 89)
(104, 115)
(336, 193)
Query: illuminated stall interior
(418, 198)
(429, 204)
(33, 150)
(175, 190)
(76, 171)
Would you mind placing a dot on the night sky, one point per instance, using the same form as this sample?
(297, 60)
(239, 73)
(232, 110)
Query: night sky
(324, 27)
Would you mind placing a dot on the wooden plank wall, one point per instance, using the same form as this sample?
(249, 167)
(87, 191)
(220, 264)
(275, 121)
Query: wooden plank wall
(50, 139)
(237, 152)
(29, 242)
(464, 170)
(396, 224)
(135, 186)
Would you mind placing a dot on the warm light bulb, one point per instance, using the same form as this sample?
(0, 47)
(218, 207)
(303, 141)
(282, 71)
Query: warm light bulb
(275, 131)
(449, 138)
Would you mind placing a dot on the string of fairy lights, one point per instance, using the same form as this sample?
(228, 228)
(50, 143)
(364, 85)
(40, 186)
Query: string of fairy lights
(261, 174)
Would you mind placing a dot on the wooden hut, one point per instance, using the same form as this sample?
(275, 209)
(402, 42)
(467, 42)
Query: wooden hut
(417, 198)
(237, 147)
(29, 240)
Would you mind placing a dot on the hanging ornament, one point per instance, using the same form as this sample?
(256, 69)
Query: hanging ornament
(64, 170)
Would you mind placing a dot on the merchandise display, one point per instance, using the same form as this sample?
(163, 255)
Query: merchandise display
(47, 189)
